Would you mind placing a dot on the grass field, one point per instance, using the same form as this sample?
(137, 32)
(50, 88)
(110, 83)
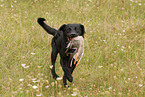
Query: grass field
(113, 64)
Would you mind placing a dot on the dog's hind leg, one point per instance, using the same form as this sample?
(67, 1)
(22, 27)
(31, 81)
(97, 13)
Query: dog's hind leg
(53, 59)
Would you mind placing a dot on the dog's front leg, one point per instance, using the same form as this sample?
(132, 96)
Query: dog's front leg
(64, 80)
(53, 59)
(66, 69)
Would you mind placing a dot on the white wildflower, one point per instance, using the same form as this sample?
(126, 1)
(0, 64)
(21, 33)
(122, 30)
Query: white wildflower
(129, 78)
(139, 4)
(140, 85)
(136, 77)
(32, 53)
(110, 88)
(46, 86)
(2, 5)
(121, 69)
(20, 88)
(74, 94)
(122, 50)
(34, 79)
(100, 66)
(21, 80)
(34, 87)
(23, 65)
(51, 66)
(26, 66)
(60, 78)
(39, 95)
(29, 85)
(111, 64)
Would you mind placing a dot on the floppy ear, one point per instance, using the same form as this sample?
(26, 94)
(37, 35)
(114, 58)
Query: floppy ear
(62, 27)
(82, 29)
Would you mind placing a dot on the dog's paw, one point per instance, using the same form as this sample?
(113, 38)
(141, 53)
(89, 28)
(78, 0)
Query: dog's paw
(40, 20)
(70, 78)
(66, 86)
(55, 76)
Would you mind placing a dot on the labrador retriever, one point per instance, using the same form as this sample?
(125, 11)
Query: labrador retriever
(69, 44)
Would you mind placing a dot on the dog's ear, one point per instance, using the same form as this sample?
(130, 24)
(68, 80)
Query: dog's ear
(62, 27)
(82, 29)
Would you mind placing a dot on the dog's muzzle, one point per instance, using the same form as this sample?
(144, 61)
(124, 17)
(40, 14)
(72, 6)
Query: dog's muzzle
(71, 35)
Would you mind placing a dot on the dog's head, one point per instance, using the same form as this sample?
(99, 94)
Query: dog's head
(72, 30)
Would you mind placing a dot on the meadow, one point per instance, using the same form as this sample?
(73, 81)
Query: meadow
(113, 64)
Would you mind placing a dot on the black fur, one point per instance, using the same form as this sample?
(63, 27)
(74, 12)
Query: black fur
(59, 43)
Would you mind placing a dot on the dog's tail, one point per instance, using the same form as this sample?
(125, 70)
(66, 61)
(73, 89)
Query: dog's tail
(47, 28)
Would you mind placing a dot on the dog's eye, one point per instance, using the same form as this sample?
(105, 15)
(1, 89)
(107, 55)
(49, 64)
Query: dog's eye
(75, 28)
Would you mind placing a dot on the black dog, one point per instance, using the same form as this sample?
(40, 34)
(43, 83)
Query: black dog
(59, 44)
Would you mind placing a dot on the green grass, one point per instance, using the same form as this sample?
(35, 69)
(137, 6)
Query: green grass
(113, 64)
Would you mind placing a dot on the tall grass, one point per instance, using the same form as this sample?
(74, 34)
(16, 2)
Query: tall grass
(113, 63)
